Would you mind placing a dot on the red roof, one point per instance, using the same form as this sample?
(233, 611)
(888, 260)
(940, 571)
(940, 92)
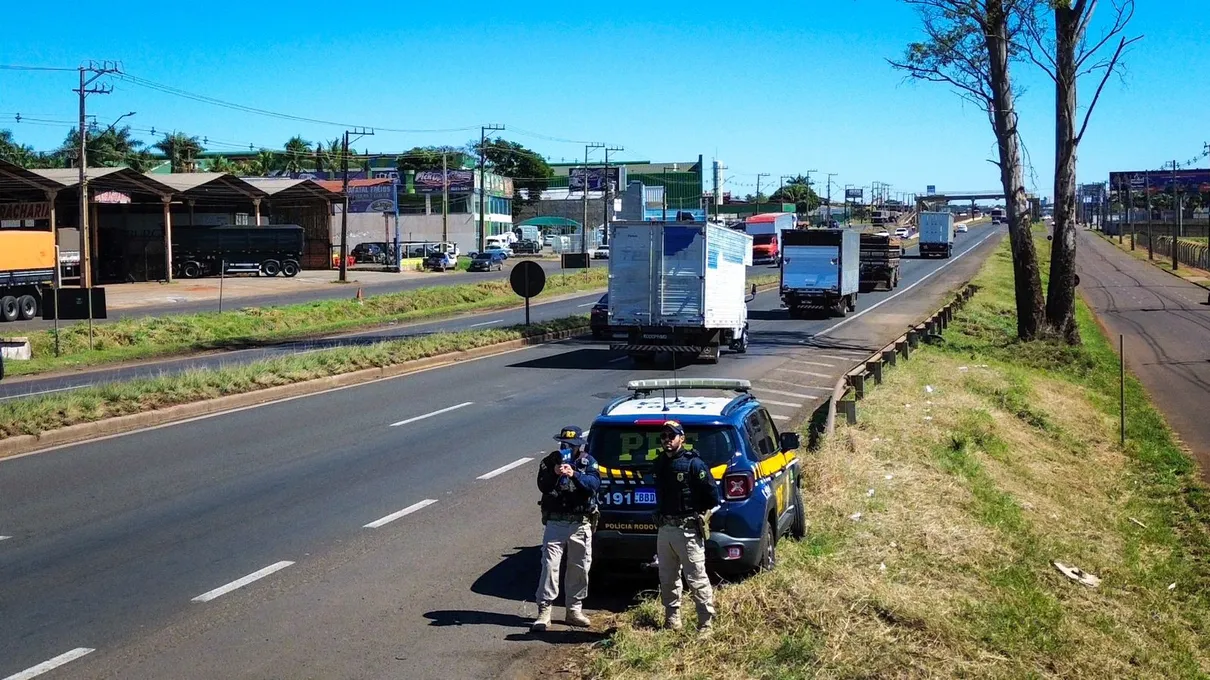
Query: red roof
(761, 218)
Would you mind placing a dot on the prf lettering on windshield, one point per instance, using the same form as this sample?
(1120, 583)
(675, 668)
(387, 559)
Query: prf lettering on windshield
(648, 445)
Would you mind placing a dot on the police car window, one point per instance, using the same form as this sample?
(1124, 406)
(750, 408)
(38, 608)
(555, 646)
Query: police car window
(631, 446)
(762, 438)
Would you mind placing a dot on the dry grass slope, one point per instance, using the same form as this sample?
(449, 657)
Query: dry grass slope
(967, 495)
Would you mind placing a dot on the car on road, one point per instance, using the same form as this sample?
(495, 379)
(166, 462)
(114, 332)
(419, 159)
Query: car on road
(504, 252)
(962, 229)
(440, 262)
(756, 467)
(902, 232)
(884, 232)
(598, 319)
(486, 261)
(600, 253)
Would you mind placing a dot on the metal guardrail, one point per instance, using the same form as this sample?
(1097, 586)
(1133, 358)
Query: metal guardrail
(852, 387)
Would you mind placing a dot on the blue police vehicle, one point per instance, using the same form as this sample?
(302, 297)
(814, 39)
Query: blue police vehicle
(756, 467)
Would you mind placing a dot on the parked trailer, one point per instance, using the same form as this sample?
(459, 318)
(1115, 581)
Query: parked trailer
(936, 234)
(820, 270)
(27, 272)
(678, 287)
(198, 252)
(879, 261)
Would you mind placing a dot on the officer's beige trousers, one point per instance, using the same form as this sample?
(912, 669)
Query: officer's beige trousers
(678, 550)
(577, 540)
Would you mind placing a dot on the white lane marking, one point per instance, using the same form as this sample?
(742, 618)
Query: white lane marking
(832, 356)
(505, 468)
(34, 394)
(815, 375)
(781, 403)
(779, 417)
(66, 657)
(922, 279)
(787, 394)
(485, 323)
(402, 513)
(240, 583)
(438, 412)
(587, 304)
(240, 409)
(5, 538)
(815, 363)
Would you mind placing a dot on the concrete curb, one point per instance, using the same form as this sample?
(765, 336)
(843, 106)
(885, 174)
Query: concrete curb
(73, 434)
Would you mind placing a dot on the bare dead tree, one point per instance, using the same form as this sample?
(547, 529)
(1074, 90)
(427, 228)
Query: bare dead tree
(969, 45)
(1067, 57)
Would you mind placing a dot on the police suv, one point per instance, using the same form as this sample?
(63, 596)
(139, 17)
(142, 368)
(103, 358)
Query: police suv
(756, 467)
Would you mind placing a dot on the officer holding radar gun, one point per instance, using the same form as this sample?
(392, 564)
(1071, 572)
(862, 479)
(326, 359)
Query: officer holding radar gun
(569, 480)
(686, 495)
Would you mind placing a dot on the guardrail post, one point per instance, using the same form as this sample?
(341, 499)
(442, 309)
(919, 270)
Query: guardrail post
(857, 382)
(875, 369)
(889, 355)
(913, 341)
(849, 406)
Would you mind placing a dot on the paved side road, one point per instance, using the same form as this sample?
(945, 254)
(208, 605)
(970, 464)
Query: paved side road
(1166, 324)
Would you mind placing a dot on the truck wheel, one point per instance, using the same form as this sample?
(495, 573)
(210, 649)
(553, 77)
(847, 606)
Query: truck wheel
(289, 268)
(270, 267)
(841, 307)
(27, 306)
(9, 311)
(741, 345)
(191, 270)
(852, 303)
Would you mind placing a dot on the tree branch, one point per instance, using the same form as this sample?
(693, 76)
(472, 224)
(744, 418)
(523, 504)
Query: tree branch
(1122, 44)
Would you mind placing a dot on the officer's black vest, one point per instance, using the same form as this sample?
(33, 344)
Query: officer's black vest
(674, 484)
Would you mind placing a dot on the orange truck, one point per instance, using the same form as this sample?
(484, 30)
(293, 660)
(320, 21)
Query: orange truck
(27, 272)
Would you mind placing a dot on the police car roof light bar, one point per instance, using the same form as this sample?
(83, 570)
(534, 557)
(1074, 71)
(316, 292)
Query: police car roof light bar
(652, 385)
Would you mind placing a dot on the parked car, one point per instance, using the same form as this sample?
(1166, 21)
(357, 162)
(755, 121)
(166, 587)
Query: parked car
(903, 232)
(600, 253)
(504, 252)
(598, 320)
(755, 466)
(487, 261)
(375, 252)
(440, 262)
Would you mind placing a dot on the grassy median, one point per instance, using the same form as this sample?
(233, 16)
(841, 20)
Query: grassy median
(147, 337)
(935, 522)
(48, 412)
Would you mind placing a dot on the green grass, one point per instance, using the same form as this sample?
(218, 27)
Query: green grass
(147, 337)
(1010, 463)
(48, 412)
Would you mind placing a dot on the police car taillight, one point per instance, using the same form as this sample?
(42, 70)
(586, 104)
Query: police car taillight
(738, 486)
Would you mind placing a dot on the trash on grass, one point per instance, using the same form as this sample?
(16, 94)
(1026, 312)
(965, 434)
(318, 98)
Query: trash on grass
(1077, 574)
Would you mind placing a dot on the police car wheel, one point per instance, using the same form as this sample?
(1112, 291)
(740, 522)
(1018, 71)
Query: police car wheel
(798, 529)
(768, 549)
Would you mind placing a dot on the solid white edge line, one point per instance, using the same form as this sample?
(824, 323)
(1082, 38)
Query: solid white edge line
(402, 513)
(485, 323)
(505, 468)
(284, 400)
(35, 394)
(586, 304)
(922, 279)
(5, 538)
(50, 665)
(438, 412)
(240, 583)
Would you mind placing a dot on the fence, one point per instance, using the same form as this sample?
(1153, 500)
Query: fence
(1190, 254)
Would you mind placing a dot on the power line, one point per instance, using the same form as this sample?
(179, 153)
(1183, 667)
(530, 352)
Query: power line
(16, 67)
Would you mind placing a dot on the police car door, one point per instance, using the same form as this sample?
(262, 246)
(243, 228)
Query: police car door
(772, 470)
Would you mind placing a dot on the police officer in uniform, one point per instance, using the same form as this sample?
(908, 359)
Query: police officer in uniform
(685, 493)
(569, 480)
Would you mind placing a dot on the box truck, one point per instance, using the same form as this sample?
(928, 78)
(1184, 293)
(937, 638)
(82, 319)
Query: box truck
(820, 270)
(936, 234)
(270, 251)
(678, 287)
(765, 230)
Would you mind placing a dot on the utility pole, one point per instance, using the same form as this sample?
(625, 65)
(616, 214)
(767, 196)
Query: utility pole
(344, 213)
(609, 193)
(664, 196)
(1176, 204)
(830, 176)
(584, 229)
(809, 196)
(445, 198)
(96, 71)
(482, 181)
(758, 176)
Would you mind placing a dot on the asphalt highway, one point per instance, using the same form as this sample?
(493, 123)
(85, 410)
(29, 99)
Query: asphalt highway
(381, 531)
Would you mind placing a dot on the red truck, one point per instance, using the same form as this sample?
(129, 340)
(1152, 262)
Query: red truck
(765, 230)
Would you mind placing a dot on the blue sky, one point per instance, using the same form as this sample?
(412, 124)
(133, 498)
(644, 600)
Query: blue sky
(777, 88)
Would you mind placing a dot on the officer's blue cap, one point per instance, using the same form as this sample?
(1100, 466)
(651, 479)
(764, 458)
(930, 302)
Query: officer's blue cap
(571, 435)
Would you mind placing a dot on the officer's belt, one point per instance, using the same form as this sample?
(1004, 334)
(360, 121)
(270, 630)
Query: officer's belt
(565, 517)
(680, 520)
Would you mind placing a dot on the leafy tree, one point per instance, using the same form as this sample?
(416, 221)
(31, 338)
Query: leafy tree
(429, 158)
(18, 154)
(181, 149)
(527, 168)
(297, 152)
(223, 164)
(107, 148)
(1065, 58)
(969, 45)
(797, 190)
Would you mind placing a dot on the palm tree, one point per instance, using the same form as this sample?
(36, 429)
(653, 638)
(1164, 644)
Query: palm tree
(222, 164)
(181, 150)
(297, 149)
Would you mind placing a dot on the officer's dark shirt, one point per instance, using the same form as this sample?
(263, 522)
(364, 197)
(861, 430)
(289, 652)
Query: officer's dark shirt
(683, 484)
(574, 496)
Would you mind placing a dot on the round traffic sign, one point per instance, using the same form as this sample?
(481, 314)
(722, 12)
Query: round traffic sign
(528, 278)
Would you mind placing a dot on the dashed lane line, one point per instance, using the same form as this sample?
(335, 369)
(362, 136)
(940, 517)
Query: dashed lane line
(241, 582)
(810, 373)
(402, 513)
(787, 394)
(438, 412)
(789, 404)
(504, 468)
(51, 664)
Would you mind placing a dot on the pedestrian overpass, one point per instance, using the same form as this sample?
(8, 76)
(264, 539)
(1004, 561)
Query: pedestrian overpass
(924, 201)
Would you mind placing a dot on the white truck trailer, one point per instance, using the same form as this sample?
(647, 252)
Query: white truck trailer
(936, 234)
(678, 287)
(821, 269)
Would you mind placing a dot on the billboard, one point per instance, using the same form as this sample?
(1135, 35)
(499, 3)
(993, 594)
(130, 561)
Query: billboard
(1160, 181)
(854, 193)
(596, 179)
(931, 190)
(376, 198)
(429, 181)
